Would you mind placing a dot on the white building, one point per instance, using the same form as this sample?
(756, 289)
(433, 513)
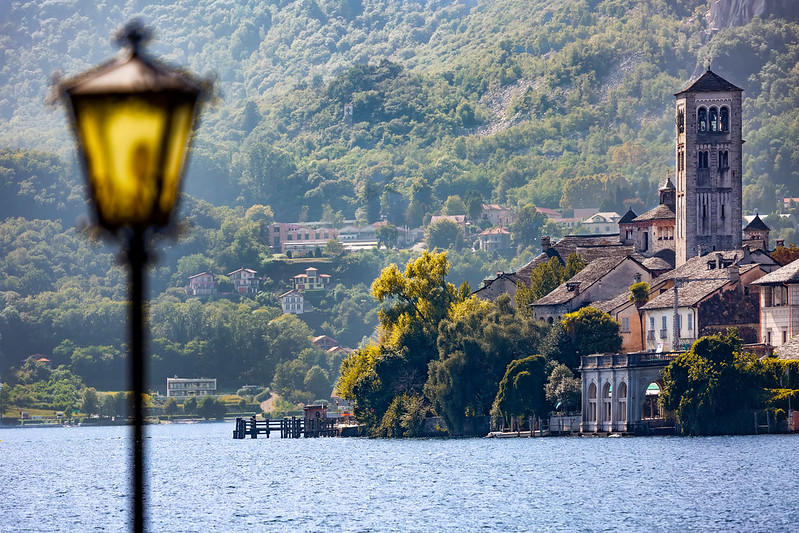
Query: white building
(602, 223)
(190, 386)
(779, 305)
(293, 302)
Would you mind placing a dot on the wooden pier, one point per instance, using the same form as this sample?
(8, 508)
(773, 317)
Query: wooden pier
(314, 424)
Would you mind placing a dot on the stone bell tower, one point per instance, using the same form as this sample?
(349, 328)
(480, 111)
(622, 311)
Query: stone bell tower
(708, 178)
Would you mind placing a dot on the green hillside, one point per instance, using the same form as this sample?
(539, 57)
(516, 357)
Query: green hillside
(509, 99)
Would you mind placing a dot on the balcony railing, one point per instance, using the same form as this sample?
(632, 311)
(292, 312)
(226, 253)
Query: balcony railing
(650, 335)
(664, 333)
(627, 360)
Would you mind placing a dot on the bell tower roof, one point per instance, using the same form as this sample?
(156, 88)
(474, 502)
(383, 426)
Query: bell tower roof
(709, 82)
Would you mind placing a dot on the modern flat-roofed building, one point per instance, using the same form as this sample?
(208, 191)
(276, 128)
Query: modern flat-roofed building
(190, 386)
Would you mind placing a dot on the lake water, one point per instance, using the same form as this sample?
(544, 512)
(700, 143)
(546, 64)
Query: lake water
(200, 479)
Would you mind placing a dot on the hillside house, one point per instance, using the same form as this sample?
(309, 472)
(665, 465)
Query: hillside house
(496, 215)
(602, 223)
(324, 342)
(460, 220)
(494, 239)
(292, 302)
(311, 280)
(244, 281)
(202, 284)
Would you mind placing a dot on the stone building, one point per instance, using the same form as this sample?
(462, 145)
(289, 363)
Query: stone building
(652, 233)
(708, 162)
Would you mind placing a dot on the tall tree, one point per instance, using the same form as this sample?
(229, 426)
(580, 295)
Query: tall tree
(639, 295)
(526, 230)
(444, 233)
(521, 390)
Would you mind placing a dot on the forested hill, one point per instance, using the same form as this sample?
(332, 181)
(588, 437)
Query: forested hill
(503, 98)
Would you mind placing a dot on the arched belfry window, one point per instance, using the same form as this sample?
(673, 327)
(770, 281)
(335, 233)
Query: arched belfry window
(714, 119)
(680, 121)
(725, 119)
(702, 119)
(724, 159)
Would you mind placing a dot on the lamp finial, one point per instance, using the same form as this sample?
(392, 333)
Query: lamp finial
(133, 34)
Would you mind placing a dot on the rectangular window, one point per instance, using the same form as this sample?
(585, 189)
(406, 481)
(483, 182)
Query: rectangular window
(625, 324)
(767, 293)
(784, 336)
(690, 321)
(663, 322)
(652, 323)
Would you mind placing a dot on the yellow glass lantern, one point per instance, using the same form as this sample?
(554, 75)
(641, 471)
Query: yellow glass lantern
(133, 119)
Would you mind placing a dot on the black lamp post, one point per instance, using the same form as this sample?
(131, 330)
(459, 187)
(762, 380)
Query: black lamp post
(133, 119)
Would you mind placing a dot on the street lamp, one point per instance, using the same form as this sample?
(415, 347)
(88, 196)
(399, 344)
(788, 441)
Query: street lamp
(133, 119)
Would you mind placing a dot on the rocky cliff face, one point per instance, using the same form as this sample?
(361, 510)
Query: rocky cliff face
(728, 13)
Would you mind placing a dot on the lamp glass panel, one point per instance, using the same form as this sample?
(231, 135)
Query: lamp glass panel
(122, 142)
(177, 148)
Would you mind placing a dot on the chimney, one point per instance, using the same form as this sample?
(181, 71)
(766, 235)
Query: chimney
(546, 244)
(719, 261)
(734, 272)
(780, 242)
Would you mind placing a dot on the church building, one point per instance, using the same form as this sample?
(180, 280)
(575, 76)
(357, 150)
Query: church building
(708, 167)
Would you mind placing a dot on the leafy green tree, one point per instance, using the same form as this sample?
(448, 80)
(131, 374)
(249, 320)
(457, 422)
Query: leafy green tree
(521, 389)
(474, 206)
(190, 405)
(317, 382)
(5, 398)
(91, 402)
(171, 407)
(454, 206)
(210, 407)
(526, 230)
(583, 332)
(334, 248)
(413, 305)
(387, 235)
(714, 387)
(563, 390)
(444, 233)
(639, 295)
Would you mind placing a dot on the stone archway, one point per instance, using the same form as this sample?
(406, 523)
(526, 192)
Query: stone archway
(650, 408)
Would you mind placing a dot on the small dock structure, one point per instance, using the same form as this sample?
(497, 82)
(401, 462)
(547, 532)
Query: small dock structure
(314, 423)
